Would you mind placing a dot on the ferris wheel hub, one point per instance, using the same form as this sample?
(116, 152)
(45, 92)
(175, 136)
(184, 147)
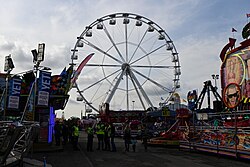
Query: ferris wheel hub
(126, 67)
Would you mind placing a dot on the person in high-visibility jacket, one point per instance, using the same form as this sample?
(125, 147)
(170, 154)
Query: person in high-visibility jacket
(100, 135)
(75, 135)
(90, 133)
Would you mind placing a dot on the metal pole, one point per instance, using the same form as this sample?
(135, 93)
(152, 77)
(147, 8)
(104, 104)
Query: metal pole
(235, 133)
(215, 77)
(27, 102)
(6, 93)
(133, 105)
(85, 109)
(35, 89)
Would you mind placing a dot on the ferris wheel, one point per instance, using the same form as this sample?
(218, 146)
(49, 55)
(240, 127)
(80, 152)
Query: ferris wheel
(135, 65)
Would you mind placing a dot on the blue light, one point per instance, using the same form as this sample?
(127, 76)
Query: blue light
(51, 124)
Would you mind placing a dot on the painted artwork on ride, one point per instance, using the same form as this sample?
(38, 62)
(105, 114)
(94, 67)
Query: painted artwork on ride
(224, 139)
(235, 70)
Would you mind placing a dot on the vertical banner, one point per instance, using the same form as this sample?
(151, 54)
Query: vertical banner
(14, 93)
(43, 88)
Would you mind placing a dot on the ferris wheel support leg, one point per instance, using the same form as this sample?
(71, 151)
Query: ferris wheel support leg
(138, 93)
(141, 89)
(110, 96)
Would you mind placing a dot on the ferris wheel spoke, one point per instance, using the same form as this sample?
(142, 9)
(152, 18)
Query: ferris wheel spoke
(102, 51)
(113, 90)
(140, 88)
(126, 42)
(138, 46)
(113, 43)
(148, 53)
(127, 92)
(100, 80)
(139, 66)
(154, 82)
(102, 65)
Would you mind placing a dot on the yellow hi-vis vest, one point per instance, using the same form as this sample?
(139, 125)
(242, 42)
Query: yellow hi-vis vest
(99, 130)
(75, 131)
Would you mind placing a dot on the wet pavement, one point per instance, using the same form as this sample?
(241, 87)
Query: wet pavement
(155, 156)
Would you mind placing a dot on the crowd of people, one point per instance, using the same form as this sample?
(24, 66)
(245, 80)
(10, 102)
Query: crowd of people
(105, 133)
(68, 132)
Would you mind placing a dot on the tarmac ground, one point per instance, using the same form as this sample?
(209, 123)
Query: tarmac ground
(66, 156)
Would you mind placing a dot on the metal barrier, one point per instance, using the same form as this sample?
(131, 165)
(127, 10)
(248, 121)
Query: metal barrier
(15, 140)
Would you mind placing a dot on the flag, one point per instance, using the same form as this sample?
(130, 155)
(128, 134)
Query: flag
(234, 30)
(68, 81)
(79, 69)
(248, 15)
(63, 72)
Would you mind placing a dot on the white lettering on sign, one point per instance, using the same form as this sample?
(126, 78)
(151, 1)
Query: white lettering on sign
(16, 87)
(45, 81)
(43, 98)
(13, 102)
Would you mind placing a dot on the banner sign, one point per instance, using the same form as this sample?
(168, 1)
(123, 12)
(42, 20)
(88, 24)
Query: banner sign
(192, 97)
(14, 93)
(44, 88)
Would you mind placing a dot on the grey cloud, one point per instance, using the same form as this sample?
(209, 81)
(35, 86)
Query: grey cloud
(8, 46)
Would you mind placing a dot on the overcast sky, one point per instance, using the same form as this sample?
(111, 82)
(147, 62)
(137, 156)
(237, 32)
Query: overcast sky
(198, 28)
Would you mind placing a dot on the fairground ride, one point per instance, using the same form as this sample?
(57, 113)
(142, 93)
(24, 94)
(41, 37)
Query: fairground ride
(134, 67)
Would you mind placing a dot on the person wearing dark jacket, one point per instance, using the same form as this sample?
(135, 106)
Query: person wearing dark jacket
(57, 131)
(90, 133)
(127, 137)
(112, 138)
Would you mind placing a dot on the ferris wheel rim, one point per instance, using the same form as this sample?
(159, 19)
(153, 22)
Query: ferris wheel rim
(144, 20)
